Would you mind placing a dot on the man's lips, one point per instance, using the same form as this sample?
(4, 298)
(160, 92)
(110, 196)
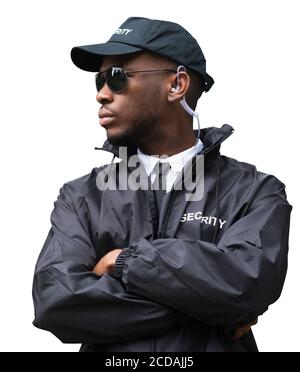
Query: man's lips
(105, 117)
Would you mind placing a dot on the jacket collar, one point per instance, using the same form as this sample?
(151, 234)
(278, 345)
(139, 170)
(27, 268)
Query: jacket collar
(211, 137)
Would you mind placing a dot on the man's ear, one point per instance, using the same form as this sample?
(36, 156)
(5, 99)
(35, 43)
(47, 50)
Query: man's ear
(178, 86)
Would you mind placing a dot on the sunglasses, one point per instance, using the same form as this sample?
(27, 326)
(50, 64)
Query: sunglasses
(116, 77)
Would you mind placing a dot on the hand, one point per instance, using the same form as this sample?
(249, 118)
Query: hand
(240, 332)
(107, 263)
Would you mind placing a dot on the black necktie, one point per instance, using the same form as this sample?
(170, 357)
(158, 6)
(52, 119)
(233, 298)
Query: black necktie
(159, 184)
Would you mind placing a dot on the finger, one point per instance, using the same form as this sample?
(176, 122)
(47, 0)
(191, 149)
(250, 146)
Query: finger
(246, 330)
(240, 332)
(237, 335)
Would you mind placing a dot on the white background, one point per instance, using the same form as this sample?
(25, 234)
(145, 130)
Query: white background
(49, 125)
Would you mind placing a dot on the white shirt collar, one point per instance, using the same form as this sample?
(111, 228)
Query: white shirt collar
(177, 161)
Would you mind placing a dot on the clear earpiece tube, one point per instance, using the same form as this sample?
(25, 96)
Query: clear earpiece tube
(185, 105)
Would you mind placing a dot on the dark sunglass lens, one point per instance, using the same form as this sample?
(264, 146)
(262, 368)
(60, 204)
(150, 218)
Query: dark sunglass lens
(99, 81)
(116, 79)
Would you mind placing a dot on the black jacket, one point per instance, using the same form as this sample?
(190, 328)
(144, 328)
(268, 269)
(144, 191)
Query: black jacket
(185, 280)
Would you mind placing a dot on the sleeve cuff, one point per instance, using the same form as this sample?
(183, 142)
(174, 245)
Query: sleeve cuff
(119, 265)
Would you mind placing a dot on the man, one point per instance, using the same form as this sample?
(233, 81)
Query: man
(149, 269)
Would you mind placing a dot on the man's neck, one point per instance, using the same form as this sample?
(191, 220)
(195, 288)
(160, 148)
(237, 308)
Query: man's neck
(169, 147)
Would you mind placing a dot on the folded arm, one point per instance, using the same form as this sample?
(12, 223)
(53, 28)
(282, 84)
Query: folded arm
(75, 304)
(228, 284)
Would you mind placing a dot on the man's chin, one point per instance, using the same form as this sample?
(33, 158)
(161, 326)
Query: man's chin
(120, 139)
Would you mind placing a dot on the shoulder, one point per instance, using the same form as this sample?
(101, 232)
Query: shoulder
(81, 187)
(248, 174)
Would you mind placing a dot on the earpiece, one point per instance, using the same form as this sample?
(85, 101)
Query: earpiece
(177, 77)
(180, 68)
(174, 90)
(183, 102)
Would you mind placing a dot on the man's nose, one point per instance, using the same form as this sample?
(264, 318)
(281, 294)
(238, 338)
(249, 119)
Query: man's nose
(104, 95)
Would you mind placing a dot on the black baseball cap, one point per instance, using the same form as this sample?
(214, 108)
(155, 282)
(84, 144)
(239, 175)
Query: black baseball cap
(136, 34)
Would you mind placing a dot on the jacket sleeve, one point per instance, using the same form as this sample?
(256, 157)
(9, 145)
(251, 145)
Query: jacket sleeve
(76, 305)
(227, 284)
